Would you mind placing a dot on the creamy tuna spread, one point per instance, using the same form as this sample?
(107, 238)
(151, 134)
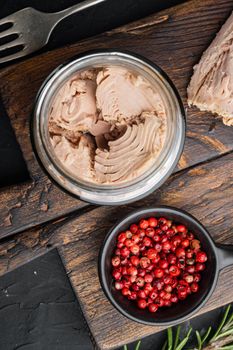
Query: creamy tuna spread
(107, 125)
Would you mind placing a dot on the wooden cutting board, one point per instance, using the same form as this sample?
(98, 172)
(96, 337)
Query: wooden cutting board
(174, 39)
(202, 183)
(206, 191)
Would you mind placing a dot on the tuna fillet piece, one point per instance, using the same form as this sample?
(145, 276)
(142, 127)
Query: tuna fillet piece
(74, 110)
(78, 159)
(211, 86)
(121, 96)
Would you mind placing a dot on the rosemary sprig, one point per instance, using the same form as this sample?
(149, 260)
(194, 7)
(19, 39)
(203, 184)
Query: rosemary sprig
(177, 337)
(218, 332)
(221, 339)
(170, 338)
(177, 345)
(137, 347)
(200, 340)
(184, 341)
(164, 346)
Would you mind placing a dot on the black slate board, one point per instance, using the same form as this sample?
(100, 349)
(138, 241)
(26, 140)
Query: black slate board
(38, 308)
(12, 165)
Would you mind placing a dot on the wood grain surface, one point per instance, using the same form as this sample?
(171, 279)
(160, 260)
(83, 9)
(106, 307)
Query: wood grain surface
(174, 39)
(202, 183)
(206, 191)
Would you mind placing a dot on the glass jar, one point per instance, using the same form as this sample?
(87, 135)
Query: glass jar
(163, 165)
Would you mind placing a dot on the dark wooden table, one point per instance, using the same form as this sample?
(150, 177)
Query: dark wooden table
(37, 216)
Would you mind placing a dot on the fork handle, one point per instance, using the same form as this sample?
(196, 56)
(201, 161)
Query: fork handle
(59, 16)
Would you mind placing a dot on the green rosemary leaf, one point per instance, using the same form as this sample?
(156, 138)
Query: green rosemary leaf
(227, 347)
(228, 325)
(164, 345)
(184, 341)
(170, 338)
(221, 323)
(177, 337)
(229, 322)
(224, 334)
(182, 344)
(206, 335)
(138, 345)
(199, 342)
(125, 347)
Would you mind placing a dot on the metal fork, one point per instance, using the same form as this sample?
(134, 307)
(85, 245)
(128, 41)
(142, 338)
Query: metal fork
(33, 28)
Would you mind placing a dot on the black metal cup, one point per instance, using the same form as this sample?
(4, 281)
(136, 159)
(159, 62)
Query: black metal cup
(219, 257)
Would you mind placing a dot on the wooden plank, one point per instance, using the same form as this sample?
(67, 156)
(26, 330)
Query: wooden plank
(174, 39)
(206, 191)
